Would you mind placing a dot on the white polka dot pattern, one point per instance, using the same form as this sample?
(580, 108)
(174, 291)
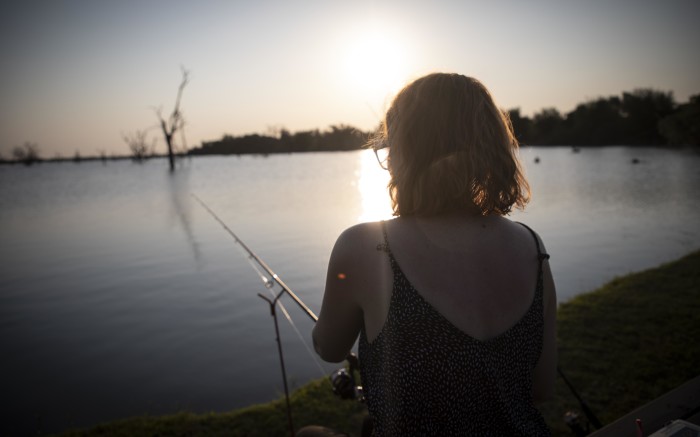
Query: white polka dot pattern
(424, 376)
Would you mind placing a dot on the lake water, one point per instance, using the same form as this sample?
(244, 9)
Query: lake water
(121, 296)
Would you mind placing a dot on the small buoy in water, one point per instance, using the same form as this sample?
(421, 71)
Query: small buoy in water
(635, 161)
(537, 159)
(575, 150)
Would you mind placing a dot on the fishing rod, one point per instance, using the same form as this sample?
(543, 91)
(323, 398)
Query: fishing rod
(342, 380)
(269, 282)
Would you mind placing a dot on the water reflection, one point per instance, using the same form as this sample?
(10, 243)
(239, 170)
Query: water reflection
(180, 202)
(371, 183)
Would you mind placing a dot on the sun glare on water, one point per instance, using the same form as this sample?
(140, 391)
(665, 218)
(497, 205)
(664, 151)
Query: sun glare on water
(371, 183)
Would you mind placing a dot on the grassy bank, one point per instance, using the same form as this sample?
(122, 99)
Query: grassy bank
(629, 341)
(621, 346)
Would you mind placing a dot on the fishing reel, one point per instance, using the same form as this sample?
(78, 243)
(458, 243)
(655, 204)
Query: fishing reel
(576, 425)
(343, 381)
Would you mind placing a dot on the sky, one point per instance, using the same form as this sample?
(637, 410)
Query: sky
(77, 75)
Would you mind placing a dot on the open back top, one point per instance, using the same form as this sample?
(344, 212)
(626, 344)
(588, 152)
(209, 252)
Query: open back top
(424, 376)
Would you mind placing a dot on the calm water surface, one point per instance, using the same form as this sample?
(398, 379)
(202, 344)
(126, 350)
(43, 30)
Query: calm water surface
(121, 296)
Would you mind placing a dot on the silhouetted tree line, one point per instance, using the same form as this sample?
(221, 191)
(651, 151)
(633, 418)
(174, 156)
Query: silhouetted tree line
(640, 117)
(340, 137)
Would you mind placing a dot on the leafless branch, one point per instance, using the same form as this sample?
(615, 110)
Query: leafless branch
(28, 153)
(138, 144)
(175, 122)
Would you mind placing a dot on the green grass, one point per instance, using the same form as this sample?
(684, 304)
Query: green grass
(629, 342)
(621, 346)
(313, 403)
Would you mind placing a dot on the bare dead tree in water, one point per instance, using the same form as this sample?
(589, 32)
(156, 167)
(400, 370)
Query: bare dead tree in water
(27, 153)
(175, 122)
(138, 144)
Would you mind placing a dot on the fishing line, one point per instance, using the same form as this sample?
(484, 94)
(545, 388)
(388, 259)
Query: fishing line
(306, 345)
(263, 272)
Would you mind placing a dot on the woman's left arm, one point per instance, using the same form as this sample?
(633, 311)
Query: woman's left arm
(340, 320)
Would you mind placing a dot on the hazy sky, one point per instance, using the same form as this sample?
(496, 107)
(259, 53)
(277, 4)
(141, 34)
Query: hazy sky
(78, 74)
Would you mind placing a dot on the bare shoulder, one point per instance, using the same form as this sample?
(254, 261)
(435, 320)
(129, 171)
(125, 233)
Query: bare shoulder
(358, 239)
(357, 258)
(526, 231)
(550, 294)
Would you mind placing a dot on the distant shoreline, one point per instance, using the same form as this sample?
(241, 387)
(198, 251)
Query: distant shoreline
(105, 159)
(642, 117)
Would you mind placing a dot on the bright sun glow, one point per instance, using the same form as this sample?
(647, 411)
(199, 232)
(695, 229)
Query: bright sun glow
(372, 182)
(375, 63)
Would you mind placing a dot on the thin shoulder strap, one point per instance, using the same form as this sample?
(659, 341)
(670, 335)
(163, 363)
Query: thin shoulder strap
(540, 255)
(539, 291)
(384, 247)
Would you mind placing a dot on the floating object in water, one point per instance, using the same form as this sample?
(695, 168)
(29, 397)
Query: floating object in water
(537, 159)
(635, 161)
(575, 150)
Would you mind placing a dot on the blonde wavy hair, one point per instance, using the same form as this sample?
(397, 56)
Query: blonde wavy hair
(450, 149)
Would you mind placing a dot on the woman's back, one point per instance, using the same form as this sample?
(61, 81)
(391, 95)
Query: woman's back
(478, 272)
(426, 372)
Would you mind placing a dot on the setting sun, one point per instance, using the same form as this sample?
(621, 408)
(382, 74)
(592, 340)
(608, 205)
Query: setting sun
(375, 63)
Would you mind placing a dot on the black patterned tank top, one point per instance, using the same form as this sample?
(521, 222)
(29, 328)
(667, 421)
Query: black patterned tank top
(424, 376)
